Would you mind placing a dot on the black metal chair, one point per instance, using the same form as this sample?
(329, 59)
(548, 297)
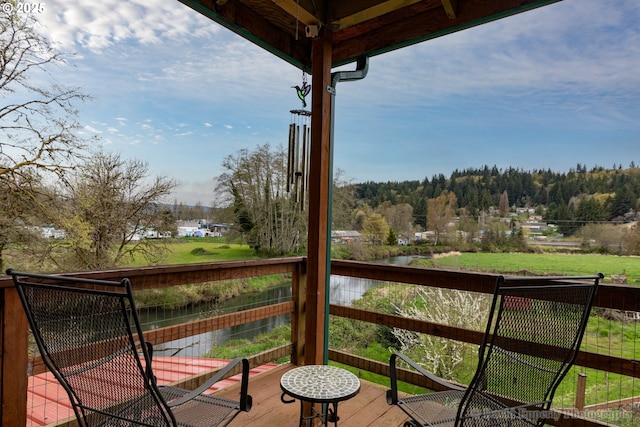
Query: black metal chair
(534, 331)
(86, 333)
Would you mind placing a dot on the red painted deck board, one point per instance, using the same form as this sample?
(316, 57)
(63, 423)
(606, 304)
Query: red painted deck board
(47, 402)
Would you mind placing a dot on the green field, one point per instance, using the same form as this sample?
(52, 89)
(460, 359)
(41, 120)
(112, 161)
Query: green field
(548, 264)
(202, 249)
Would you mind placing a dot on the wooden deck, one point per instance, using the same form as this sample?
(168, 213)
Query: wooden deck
(368, 408)
(48, 405)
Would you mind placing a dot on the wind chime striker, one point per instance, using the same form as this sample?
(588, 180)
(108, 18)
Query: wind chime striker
(299, 146)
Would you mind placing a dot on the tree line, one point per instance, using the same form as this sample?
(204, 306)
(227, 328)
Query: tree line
(570, 199)
(271, 220)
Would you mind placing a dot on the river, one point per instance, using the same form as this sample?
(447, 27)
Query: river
(343, 290)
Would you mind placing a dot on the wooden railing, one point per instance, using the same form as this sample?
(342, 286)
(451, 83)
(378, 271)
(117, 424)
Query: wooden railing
(14, 332)
(615, 297)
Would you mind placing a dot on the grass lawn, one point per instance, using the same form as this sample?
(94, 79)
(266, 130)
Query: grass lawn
(184, 251)
(202, 249)
(560, 264)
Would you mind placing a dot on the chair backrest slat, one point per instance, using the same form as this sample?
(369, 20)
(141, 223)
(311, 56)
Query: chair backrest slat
(83, 329)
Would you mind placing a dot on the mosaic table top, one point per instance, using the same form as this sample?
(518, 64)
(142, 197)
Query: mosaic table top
(320, 383)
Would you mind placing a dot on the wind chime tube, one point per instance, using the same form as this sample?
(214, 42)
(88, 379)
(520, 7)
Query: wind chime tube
(290, 157)
(296, 160)
(306, 176)
(303, 181)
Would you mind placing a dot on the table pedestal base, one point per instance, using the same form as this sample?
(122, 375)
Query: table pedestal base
(331, 415)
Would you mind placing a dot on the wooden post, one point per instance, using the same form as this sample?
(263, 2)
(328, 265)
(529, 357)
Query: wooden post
(580, 391)
(298, 291)
(319, 180)
(13, 356)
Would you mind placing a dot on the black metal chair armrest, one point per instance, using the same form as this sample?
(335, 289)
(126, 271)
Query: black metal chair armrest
(150, 353)
(392, 394)
(149, 348)
(245, 398)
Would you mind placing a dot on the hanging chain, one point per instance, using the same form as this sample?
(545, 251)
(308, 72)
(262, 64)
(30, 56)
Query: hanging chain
(297, 17)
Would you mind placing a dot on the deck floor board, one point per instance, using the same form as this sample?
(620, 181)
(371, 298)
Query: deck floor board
(49, 405)
(368, 408)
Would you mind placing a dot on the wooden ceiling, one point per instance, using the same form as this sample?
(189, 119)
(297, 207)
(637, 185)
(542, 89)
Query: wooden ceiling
(355, 27)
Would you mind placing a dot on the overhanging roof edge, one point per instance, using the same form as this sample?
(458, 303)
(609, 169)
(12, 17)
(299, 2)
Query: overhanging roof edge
(451, 30)
(193, 4)
(242, 32)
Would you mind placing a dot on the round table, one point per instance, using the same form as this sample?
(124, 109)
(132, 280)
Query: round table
(319, 384)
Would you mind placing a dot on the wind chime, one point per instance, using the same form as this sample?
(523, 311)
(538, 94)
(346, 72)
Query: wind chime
(299, 147)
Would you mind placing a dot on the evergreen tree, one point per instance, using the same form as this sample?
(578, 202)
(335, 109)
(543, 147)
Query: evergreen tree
(622, 202)
(590, 210)
(392, 240)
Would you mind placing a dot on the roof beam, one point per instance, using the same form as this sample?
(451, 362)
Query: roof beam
(294, 8)
(450, 7)
(373, 11)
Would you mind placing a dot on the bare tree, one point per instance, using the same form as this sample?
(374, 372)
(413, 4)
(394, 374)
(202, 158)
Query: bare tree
(343, 201)
(38, 121)
(110, 207)
(399, 217)
(610, 237)
(440, 212)
(504, 203)
(38, 124)
(631, 239)
(17, 211)
(270, 219)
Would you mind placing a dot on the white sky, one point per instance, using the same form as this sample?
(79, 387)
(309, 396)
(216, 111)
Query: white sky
(548, 88)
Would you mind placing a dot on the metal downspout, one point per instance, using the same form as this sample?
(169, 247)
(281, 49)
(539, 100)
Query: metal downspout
(359, 73)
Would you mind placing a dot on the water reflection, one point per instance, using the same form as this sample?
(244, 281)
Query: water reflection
(342, 291)
(200, 345)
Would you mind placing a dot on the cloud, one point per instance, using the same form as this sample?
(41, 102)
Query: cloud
(98, 25)
(571, 55)
(92, 129)
(544, 50)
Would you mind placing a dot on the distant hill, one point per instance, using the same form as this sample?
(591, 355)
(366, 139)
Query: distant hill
(612, 193)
